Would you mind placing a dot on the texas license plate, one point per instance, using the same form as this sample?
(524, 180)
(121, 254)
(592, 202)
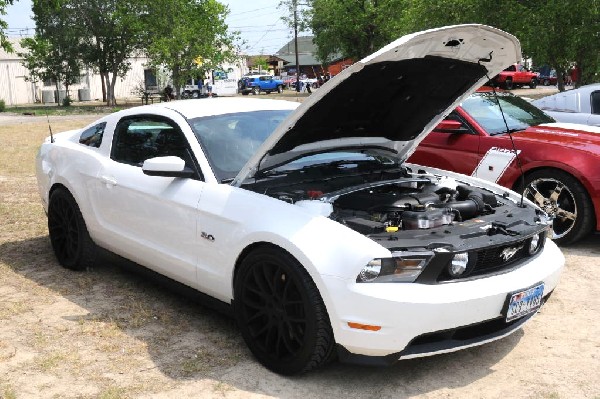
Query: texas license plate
(524, 302)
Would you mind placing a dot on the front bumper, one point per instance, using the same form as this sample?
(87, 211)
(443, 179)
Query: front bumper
(415, 318)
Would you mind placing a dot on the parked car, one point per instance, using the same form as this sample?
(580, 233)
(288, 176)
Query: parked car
(514, 76)
(560, 163)
(262, 83)
(580, 105)
(548, 80)
(304, 221)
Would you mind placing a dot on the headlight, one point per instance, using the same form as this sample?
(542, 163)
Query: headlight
(459, 264)
(402, 267)
(535, 243)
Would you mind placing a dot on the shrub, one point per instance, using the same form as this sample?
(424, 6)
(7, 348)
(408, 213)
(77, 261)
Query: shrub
(66, 101)
(2, 106)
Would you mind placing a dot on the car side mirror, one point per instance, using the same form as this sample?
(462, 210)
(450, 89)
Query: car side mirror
(166, 167)
(450, 126)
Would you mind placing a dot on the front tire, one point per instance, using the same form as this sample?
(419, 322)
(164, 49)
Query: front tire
(71, 242)
(562, 196)
(508, 84)
(533, 84)
(256, 90)
(280, 313)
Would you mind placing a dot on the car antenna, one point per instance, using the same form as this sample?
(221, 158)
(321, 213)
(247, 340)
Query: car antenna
(511, 140)
(49, 127)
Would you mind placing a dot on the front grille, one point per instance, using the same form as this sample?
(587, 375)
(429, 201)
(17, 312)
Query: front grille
(492, 260)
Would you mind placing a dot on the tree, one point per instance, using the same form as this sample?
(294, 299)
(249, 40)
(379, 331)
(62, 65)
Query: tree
(48, 60)
(4, 43)
(52, 52)
(553, 32)
(111, 33)
(189, 39)
(102, 34)
(353, 28)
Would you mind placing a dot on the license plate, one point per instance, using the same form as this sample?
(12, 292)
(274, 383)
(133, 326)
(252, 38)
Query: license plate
(524, 302)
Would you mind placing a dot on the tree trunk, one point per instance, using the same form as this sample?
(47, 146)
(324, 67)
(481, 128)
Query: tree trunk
(177, 87)
(111, 101)
(57, 93)
(560, 82)
(103, 87)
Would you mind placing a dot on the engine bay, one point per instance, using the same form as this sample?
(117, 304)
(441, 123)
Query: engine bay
(411, 204)
(420, 209)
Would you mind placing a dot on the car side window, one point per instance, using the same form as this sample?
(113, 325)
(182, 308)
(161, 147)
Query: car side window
(92, 136)
(140, 138)
(595, 99)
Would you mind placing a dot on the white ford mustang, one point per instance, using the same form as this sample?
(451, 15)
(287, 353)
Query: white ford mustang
(305, 220)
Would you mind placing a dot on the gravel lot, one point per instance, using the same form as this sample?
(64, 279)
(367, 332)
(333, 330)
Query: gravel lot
(111, 333)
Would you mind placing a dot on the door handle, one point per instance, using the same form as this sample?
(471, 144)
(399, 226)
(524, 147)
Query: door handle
(108, 180)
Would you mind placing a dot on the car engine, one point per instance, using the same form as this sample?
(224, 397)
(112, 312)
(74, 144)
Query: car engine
(410, 204)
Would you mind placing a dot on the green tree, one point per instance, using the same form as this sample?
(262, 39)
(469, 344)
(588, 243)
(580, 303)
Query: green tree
(4, 43)
(353, 28)
(189, 38)
(103, 34)
(111, 32)
(51, 54)
(48, 60)
(553, 32)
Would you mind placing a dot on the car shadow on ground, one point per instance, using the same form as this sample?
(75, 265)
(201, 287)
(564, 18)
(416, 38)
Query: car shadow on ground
(186, 340)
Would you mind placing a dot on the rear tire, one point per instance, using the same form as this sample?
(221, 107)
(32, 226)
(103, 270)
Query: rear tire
(280, 313)
(563, 197)
(71, 242)
(280, 89)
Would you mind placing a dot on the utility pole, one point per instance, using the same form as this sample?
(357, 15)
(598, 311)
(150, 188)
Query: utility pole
(296, 45)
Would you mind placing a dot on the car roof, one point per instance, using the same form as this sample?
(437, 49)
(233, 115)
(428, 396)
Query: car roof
(221, 105)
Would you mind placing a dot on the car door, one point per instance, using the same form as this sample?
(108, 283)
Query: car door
(456, 150)
(149, 219)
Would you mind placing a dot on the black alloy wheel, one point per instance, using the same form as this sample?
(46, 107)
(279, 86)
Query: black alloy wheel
(508, 84)
(561, 196)
(280, 313)
(72, 245)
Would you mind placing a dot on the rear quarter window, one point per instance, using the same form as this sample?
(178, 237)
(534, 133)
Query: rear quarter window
(92, 137)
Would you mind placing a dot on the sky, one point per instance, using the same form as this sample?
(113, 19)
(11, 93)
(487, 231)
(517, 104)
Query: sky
(258, 21)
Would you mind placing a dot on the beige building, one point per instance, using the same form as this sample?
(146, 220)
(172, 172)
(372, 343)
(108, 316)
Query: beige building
(16, 89)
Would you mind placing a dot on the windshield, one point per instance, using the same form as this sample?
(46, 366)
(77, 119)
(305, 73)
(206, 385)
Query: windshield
(519, 114)
(230, 140)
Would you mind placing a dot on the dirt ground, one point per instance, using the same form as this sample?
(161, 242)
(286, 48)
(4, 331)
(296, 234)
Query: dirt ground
(110, 333)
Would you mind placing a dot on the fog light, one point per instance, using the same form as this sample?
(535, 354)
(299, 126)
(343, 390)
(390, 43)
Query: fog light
(459, 264)
(534, 244)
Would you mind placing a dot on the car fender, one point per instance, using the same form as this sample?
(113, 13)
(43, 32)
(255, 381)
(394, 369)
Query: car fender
(244, 218)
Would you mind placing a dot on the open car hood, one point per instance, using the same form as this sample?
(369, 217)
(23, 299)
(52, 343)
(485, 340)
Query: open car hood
(391, 99)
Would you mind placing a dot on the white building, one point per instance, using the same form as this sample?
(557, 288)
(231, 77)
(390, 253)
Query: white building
(15, 89)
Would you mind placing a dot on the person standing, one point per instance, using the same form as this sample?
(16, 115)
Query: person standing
(209, 87)
(200, 86)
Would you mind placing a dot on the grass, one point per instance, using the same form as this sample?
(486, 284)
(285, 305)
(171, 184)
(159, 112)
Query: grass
(55, 110)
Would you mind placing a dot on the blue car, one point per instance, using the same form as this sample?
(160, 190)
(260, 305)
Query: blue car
(258, 83)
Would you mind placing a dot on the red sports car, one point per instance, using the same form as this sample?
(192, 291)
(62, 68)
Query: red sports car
(560, 161)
